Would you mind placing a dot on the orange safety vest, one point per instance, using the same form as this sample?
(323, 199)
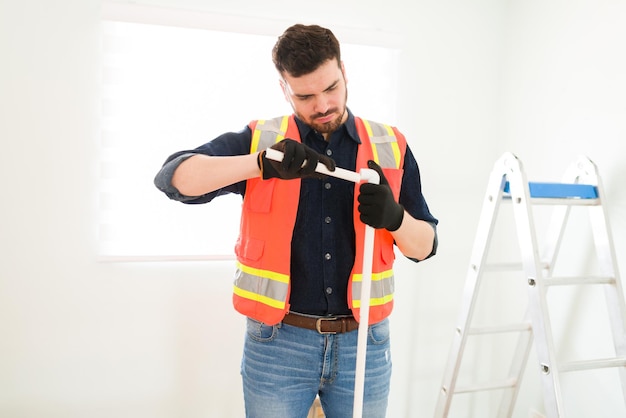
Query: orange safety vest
(262, 279)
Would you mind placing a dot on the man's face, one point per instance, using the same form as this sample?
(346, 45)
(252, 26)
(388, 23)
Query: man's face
(319, 98)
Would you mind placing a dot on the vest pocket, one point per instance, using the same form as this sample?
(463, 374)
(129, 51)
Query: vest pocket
(250, 249)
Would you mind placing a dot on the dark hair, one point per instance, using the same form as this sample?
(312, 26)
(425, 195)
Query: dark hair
(302, 49)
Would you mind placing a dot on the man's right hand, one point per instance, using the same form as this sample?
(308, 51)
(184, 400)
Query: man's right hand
(299, 161)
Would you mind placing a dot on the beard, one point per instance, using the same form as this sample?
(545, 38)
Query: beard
(329, 127)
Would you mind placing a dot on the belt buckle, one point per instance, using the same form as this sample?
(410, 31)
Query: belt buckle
(318, 325)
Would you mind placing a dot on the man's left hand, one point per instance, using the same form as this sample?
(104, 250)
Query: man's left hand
(377, 206)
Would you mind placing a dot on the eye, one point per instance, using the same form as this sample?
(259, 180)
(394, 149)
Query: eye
(332, 87)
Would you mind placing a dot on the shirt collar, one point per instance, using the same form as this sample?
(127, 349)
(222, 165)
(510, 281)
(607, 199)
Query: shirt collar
(349, 124)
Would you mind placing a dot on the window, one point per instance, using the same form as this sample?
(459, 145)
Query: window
(168, 88)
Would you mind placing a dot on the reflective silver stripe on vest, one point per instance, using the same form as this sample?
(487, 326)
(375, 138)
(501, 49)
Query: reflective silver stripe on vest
(264, 286)
(384, 144)
(381, 291)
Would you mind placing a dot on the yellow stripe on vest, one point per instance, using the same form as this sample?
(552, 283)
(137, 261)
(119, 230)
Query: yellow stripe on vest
(256, 135)
(283, 125)
(368, 128)
(396, 153)
(373, 301)
(267, 274)
(375, 276)
(259, 298)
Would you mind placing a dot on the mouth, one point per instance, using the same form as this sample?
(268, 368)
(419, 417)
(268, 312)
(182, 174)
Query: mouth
(325, 118)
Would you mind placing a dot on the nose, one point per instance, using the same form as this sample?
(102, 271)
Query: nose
(321, 104)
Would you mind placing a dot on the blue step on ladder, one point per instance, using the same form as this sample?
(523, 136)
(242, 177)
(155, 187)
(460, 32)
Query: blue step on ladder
(581, 186)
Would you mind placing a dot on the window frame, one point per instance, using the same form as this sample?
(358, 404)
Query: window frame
(162, 16)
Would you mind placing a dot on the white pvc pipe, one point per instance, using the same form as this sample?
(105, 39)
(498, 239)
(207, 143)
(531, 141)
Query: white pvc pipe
(370, 176)
(341, 173)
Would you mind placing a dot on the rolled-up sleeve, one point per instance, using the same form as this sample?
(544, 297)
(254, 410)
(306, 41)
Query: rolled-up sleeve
(163, 179)
(228, 144)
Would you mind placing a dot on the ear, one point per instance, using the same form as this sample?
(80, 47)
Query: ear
(343, 71)
(285, 89)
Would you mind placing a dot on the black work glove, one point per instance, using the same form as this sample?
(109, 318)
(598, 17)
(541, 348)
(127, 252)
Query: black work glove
(291, 166)
(377, 206)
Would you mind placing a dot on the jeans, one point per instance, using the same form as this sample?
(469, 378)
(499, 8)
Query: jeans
(285, 367)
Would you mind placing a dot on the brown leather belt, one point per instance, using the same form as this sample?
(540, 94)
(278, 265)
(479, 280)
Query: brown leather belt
(324, 324)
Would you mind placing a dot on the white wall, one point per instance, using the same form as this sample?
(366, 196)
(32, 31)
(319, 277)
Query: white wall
(79, 338)
(563, 89)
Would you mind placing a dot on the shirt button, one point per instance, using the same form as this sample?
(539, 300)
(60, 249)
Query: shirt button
(329, 152)
(327, 219)
(327, 186)
(327, 256)
(329, 290)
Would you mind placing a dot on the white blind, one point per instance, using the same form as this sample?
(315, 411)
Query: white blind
(168, 88)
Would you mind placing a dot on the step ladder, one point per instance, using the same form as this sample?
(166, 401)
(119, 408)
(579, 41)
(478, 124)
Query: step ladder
(581, 186)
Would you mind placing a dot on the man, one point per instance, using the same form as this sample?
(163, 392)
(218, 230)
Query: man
(299, 252)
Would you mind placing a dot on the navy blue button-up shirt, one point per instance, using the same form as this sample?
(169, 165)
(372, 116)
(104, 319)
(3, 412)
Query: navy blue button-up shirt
(323, 243)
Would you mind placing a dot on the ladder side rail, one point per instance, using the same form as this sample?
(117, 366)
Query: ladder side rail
(538, 308)
(525, 339)
(517, 368)
(480, 250)
(608, 261)
(614, 293)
